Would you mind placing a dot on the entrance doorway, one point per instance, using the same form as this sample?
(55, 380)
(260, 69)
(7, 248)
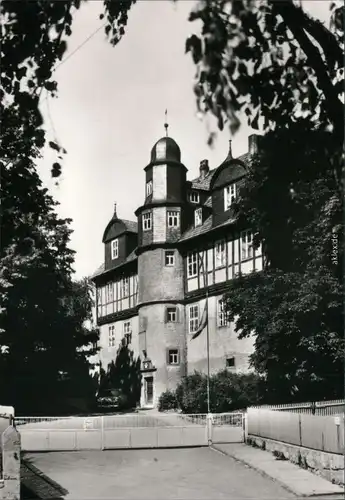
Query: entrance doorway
(149, 390)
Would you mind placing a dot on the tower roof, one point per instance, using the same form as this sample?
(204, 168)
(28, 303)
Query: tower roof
(166, 149)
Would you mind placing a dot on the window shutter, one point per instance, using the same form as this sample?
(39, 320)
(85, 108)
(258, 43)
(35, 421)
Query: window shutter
(166, 315)
(167, 355)
(177, 314)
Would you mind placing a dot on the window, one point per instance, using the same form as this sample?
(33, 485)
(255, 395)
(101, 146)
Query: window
(169, 258)
(114, 249)
(127, 327)
(173, 357)
(246, 245)
(109, 293)
(220, 254)
(229, 196)
(147, 221)
(124, 287)
(221, 314)
(193, 318)
(171, 315)
(230, 362)
(173, 219)
(198, 217)
(148, 188)
(192, 264)
(194, 197)
(127, 330)
(111, 334)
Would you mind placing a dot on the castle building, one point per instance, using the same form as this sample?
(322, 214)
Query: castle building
(158, 272)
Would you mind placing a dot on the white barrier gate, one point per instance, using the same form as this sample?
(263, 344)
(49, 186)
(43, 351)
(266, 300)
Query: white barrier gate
(128, 431)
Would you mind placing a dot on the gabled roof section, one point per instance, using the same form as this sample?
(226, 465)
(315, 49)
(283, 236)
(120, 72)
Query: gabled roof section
(203, 183)
(196, 231)
(206, 227)
(230, 170)
(116, 227)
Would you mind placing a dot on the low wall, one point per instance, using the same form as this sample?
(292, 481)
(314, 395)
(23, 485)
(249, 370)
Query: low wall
(10, 470)
(323, 433)
(73, 440)
(328, 465)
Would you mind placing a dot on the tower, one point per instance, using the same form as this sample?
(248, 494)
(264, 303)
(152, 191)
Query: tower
(162, 341)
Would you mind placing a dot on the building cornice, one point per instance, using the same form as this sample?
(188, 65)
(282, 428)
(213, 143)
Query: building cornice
(111, 318)
(153, 246)
(160, 203)
(165, 301)
(172, 163)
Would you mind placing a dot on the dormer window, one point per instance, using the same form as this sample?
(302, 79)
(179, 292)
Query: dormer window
(149, 188)
(194, 197)
(173, 219)
(229, 196)
(114, 249)
(198, 217)
(147, 221)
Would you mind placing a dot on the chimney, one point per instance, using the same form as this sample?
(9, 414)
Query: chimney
(204, 168)
(253, 144)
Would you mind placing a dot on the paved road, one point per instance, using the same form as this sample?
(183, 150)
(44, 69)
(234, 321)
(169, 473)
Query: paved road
(188, 474)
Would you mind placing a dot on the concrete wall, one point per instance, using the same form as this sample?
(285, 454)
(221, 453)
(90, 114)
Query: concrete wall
(328, 465)
(10, 462)
(323, 433)
(223, 344)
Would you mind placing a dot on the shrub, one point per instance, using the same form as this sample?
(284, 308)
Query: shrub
(167, 401)
(228, 392)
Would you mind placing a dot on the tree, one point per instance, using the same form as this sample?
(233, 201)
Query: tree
(33, 43)
(43, 314)
(123, 376)
(43, 334)
(270, 60)
(295, 305)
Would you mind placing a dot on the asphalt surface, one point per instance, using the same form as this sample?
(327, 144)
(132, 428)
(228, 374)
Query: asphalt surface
(183, 474)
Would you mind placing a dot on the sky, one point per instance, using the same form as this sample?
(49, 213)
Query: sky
(110, 112)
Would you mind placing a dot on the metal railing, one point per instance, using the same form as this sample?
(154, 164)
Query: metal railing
(129, 421)
(319, 408)
(128, 431)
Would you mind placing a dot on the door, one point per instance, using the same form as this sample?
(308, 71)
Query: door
(149, 390)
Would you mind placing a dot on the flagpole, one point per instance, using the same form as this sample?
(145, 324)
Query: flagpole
(208, 354)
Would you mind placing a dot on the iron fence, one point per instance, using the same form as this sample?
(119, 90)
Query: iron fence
(318, 408)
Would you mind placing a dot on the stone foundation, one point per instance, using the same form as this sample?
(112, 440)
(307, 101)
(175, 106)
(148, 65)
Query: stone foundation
(328, 465)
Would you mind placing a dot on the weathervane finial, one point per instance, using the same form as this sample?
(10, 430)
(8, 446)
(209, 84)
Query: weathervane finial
(166, 124)
(115, 212)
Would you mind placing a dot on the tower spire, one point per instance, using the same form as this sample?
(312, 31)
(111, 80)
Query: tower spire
(166, 124)
(115, 212)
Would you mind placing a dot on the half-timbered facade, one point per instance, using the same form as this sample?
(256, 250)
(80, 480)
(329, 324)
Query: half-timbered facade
(159, 271)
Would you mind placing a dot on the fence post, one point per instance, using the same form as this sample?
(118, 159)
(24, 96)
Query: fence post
(300, 428)
(102, 432)
(245, 426)
(209, 420)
